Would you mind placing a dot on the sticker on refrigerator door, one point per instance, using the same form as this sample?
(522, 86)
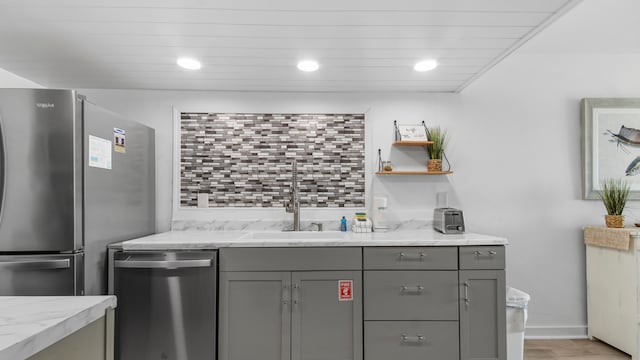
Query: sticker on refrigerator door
(118, 140)
(345, 290)
(99, 152)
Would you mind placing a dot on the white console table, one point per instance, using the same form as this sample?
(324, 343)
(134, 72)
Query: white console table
(613, 265)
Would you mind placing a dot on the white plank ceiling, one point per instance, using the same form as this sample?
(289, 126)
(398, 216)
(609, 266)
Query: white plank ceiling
(254, 45)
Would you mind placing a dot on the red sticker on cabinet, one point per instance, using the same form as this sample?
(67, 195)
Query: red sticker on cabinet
(345, 288)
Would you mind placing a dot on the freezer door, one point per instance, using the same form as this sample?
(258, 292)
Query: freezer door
(119, 200)
(38, 186)
(41, 275)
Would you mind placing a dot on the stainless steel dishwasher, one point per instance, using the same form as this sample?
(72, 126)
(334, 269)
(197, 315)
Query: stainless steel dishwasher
(166, 305)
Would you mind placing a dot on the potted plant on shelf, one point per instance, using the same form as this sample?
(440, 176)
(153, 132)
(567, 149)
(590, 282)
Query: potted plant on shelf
(614, 195)
(436, 150)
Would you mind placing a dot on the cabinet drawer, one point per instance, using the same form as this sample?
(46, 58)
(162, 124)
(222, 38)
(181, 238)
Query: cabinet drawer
(410, 295)
(290, 259)
(410, 258)
(384, 340)
(482, 257)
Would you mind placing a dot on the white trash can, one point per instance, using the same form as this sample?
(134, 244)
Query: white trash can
(517, 302)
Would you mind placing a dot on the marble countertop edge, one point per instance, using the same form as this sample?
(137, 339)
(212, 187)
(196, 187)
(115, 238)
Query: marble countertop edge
(177, 240)
(37, 322)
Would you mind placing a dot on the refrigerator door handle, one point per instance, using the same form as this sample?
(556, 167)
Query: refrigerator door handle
(35, 264)
(164, 264)
(3, 169)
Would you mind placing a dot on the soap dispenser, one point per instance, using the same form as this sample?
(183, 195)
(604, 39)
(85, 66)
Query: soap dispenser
(343, 224)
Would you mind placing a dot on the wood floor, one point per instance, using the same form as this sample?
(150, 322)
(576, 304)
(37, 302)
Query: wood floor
(571, 350)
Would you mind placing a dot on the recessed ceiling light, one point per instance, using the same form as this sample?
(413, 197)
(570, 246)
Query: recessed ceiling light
(308, 65)
(425, 65)
(189, 63)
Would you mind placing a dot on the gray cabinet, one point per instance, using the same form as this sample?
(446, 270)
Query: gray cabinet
(411, 295)
(411, 303)
(482, 304)
(445, 303)
(254, 315)
(322, 325)
(290, 315)
(411, 258)
(389, 340)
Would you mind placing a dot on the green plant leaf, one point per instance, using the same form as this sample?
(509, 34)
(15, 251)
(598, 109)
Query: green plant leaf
(440, 140)
(614, 195)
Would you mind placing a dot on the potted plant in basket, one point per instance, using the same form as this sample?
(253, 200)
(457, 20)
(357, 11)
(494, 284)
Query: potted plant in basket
(436, 150)
(614, 195)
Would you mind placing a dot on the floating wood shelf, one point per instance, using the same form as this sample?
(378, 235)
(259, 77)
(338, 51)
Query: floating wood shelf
(412, 143)
(414, 172)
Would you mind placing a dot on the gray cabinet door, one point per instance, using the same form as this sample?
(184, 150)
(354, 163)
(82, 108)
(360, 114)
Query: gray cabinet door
(326, 326)
(482, 315)
(255, 315)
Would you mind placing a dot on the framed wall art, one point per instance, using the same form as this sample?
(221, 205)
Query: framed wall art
(411, 133)
(610, 143)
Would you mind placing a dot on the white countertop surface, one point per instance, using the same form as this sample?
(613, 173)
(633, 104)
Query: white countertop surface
(30, 324)
(176, 240)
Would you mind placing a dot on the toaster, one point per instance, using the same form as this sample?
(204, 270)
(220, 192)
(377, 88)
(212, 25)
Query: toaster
(448, 220)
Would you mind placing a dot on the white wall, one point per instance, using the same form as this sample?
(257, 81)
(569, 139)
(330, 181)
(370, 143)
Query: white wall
(515, 151)
(523, 179)
(524, 114)
(11, 80)
(154, 108)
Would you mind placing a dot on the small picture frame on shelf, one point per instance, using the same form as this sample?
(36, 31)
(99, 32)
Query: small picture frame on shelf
(412, 133)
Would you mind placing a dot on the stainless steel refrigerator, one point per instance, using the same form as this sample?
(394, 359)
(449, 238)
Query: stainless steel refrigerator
(73, 178)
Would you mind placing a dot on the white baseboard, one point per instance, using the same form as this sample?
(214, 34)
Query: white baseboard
(556, 332)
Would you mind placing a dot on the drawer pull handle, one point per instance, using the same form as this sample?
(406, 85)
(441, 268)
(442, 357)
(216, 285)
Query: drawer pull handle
(407, 257)
(489, 253)
(416, 289)
(412, 339)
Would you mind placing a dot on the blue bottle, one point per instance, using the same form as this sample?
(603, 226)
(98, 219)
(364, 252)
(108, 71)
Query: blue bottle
(343, 224)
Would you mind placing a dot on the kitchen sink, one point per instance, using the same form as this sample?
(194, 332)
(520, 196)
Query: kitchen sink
(294, 235)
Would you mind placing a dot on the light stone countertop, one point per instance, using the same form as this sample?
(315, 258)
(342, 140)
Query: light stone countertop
(184, 240)
(30, 324)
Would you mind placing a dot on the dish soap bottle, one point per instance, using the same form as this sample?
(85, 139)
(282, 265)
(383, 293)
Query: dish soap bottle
(343, 224)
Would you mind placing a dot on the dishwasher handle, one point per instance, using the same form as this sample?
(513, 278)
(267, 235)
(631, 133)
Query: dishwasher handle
(162, 264)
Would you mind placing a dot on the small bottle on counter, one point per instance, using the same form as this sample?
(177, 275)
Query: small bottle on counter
(343, 224)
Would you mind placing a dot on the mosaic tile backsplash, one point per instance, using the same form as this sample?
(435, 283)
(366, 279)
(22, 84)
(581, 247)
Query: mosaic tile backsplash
(244, 160)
